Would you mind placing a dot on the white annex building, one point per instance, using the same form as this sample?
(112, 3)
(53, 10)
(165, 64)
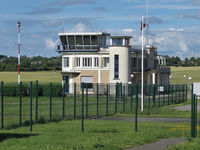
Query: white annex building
(86, 57)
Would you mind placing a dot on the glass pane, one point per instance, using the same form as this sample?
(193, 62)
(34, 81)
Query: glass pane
(86, 40)
(94, 40)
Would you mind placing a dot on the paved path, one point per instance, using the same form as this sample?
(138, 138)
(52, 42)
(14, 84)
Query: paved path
(186, 107)
(161, 144)
(143, 119)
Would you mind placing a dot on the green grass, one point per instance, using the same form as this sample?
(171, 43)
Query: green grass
(190, 144)
(178, 72)
(41, 76)
(105, 135)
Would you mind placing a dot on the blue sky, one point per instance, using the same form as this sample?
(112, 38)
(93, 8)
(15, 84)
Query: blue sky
(174, 24)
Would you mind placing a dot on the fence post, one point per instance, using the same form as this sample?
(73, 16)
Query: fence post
(31, 106)
(2, 96)
(63, 101)
(86, 101)
(168, 90)
(116, 90)
(97, 98)
(131, 96)
(154, 96)
(20, 104)
(82, 100)
(186, 93)
(149, 99)
(136, 106)
(74, 100)
(179, 93)
(124, 98)
(50, 110)
(107, 97)
(36, 101)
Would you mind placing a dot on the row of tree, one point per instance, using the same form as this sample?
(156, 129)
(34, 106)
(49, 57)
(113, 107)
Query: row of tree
(39, 63)
(176, 61)
(36, 63)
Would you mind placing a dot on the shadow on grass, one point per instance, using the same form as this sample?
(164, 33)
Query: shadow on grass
(5, 136)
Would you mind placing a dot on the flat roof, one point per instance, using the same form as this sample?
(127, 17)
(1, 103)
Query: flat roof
(121, 36)
(84, 33)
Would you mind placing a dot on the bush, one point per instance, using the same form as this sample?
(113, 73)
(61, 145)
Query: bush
(13, 89)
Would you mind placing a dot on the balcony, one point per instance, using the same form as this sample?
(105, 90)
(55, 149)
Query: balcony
(77, 48)
(164, 69)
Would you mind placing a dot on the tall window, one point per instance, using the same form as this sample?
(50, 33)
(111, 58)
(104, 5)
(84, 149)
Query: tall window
(106, 62)
(66, 61)
(116, 66)
(87, 62)
(96, 62)
(78, 62)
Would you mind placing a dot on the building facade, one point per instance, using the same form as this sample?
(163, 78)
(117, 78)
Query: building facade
(86, 57)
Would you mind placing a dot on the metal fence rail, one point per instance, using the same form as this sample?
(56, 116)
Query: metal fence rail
(25, 104)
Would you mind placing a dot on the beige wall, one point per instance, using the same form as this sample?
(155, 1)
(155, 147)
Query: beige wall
(93, 73)
(105, 76)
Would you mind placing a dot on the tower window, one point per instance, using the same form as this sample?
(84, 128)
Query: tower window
(116, 66)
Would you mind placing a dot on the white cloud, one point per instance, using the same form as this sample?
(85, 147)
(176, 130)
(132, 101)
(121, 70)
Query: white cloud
(80, 27)
(128, 30)
(50, 44)
(176, 30)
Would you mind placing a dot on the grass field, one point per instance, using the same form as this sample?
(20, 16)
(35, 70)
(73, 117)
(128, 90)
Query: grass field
(177, 74)
(41, 76)
(55, 76)
(104, 135)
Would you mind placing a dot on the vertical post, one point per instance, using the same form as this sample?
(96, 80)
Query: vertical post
(19, 25)
(97, 98)
(186, 93)
(154, 96)
(82, 114)
(124, 98)
(131, 96)
(149, 105)
(20, 104)
(107, 97)
(86, 101)
(142, 77)
(172, 94)
(116, 93)
(2, 111)
(63, 101)
(31, 106)
(74, 100)
(168, 91)
(50, 98)
(179, 93)
(36, 101)
(159, 96)
(136, 106)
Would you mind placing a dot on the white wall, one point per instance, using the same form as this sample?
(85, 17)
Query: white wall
(123, 64)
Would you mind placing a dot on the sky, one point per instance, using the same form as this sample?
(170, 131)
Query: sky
(174, 24)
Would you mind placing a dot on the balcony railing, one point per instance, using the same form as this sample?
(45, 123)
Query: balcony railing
(77, 48)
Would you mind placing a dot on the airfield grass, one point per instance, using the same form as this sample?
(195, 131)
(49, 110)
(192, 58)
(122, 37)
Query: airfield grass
(177, 74)
(55, 76)
(105, 135)
(41, 76)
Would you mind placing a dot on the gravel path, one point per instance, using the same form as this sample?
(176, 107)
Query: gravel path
(161, 144)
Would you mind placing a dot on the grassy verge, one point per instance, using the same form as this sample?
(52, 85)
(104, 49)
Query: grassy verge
(191, 144)
(105, 135)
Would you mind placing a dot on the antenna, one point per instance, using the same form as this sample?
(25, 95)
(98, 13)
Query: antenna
(19, 25)
(147, 32)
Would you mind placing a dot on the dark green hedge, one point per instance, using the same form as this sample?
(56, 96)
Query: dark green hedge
(13, 89)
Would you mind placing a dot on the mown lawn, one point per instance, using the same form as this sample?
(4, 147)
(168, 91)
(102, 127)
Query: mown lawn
(105, 135)
(55, 76)
(178, 73)
(41, 76)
